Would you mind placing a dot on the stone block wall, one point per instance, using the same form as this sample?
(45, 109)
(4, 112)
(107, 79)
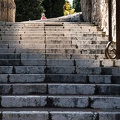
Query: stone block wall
(96, 11)
(7, 10)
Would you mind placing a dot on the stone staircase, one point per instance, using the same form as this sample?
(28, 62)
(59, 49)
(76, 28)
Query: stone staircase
(57, 71)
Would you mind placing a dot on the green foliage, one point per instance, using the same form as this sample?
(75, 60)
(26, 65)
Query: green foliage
(54, 8)
(28, 9)
(76, 5)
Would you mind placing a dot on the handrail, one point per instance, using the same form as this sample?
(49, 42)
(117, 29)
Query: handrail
(110, 51)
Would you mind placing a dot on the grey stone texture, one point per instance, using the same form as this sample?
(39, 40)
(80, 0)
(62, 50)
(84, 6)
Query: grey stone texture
(25, 115)
(28, 78)
(109, 115)
(27, 89)
(68, 101)
(23, 101)
(105, 102)
(3, 78)
(71, 115)
(100, 79)
(71, 89)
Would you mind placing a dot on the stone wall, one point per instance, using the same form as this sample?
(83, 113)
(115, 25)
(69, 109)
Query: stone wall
(7, 10)
(96, 11)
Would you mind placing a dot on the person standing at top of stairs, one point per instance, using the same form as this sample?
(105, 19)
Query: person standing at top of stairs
(43, 17)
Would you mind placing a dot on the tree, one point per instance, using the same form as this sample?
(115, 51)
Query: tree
(76, 5)
(53, 8)
(28, 9)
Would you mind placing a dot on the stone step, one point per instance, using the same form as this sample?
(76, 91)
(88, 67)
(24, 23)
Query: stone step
(60, 89)
(52, 50)
(22, 29)
(22, 38)
(40, 29)
(56, 42)
(60, 115)
(34, 56)
(24, 46)
(23, 34)
(61, 102)
(63, 62)
(31, 115)
(55, 63)
(23, 42)
(55, 37)
(58, 34)
(20, 32)
(89, 78)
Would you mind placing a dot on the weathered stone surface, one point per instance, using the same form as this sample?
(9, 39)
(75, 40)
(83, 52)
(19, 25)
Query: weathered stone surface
(60, 70)
(7, 10)
(111, 71)
(88, 70)
(5, 89)
(32, 56)
(116, 79)
(28, 78)
(87, 63)
(109, 115)
(105, 102)
(25, 115)
(108, 89)
(29, 69)
(96, 11)
(6, 69)
(74, 78)
(71, 89)
(28, 89)
(68, 101)
(23, 101)
(33, 62)
(10, 56)
(3, 78)
(71, 115)
(100, 79)
(86, 6)
(60, 62)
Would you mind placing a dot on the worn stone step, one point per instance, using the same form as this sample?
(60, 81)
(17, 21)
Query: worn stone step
(74, 34)
(84, 89)
(22, 34)
(26, 46)
(26, 78)
(10, 56)
(61, 101)
(59, 78)
(23, 101)
(23, 89)
(42, 101)
(13, 32)
(58, 115)
(22, 29)
(76, 37)
(22, 42)
(26, 115)
(83, 64)
(60, 56)
(55, 42)
(103, 102)
(55, 89)
(75, 50)
(22, 38)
